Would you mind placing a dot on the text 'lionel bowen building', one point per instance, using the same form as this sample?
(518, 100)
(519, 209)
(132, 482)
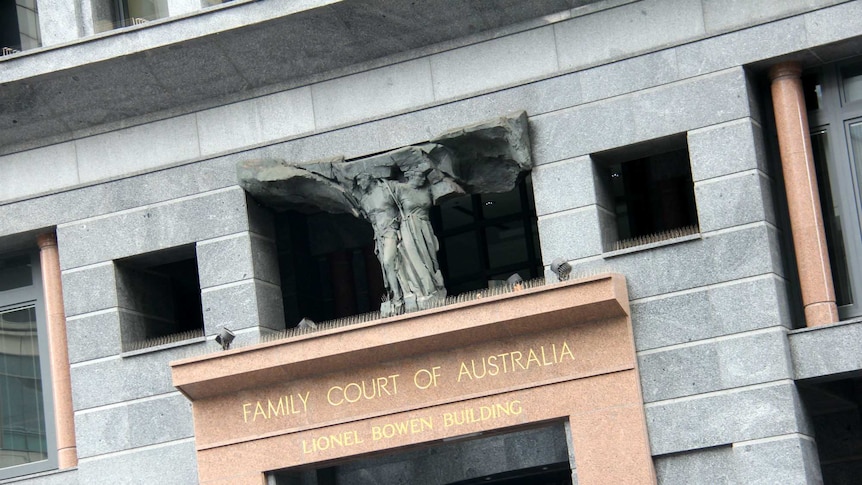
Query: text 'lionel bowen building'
(438, 242)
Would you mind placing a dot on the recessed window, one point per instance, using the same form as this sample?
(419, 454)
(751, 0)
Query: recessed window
(836, 138)
(19, 26)
(486, 238)
(652, 190)
(329, 269)
(159, 298)
(25, 429)
(115, 14)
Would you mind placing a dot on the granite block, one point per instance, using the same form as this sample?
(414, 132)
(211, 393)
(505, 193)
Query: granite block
(742, 47)
(24, 172)
(151, 228)
(118, 195)
(629, 75)
(833, 24)
(372, 93)
(690, 104)
(270, 306)
(139, 148)
(827, 349)
(570, 184)
(243, 304)
(264, 255)
(493, 64)
(170, 464)
(723, 418)
(225, 260)
(724, 15)
(114, 380)
(117, 428)
(739, 199)
(93, 336)
(726, 148)
(788, 460)
(571, 234)
(693, 466)
(89, 289)
(534, 98)
(257, 120)
(715, 258)
(710, 312)
(583, 130)
(233, 306)
(627, 30)
(58, 21)
(714, 365)
(641, 116)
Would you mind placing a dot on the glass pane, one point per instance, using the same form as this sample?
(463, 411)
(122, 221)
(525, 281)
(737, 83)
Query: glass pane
(499, 205)
(462, 255)
(15, 272)
(457, 212)
(506, 244)
(22, 416)
(851, 78)
(813, 90)
(28, 24)
(832, 220)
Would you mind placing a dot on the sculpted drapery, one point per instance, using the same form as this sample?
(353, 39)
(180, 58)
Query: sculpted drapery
(394, 192)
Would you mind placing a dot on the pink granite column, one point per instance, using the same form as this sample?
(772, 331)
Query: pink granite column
(803, 198)
(61, 382)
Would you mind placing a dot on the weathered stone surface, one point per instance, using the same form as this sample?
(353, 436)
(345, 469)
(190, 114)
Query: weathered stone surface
(394, 190)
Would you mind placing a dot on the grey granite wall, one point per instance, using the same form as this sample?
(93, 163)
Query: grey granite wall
(710, 312)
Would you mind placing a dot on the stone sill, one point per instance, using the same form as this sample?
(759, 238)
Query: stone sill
(646, 247)
(159, 348)
(439, 329)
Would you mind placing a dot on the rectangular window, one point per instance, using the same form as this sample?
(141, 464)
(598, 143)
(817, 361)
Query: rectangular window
(652, 190)
(835, 117)
(115, 14)
(19, 26)
(159, 298)
(26, 433)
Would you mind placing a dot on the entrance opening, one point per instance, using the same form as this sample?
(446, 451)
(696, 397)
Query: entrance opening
(535, 456)
(835, 408)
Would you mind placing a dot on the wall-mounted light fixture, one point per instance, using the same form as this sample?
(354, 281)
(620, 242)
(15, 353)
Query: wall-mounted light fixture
(225, 337)
(561, 268)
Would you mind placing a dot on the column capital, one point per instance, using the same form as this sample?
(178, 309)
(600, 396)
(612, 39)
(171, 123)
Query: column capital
(790, 69)
(46, 239)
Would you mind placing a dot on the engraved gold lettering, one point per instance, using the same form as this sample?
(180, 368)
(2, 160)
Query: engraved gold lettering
(566, 351)
(424, 378)
(532, 357)
(464, 372)
(517, 360)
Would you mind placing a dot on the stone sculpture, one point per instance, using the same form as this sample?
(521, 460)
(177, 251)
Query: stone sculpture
(394, 192)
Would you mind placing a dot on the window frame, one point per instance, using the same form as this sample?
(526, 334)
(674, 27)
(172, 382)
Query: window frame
(833, 117)
(33, 295)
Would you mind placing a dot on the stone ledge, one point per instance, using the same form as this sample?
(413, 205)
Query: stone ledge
(486, 319)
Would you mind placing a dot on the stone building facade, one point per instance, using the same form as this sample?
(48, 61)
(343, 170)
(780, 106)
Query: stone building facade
(697, 163)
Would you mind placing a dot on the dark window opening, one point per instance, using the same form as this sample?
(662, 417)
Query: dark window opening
(486, 238)
(115, 14)
(835, 409)
(159, 298)
(19, 26)
(329, 269)
(652, 189)
(496, 459)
